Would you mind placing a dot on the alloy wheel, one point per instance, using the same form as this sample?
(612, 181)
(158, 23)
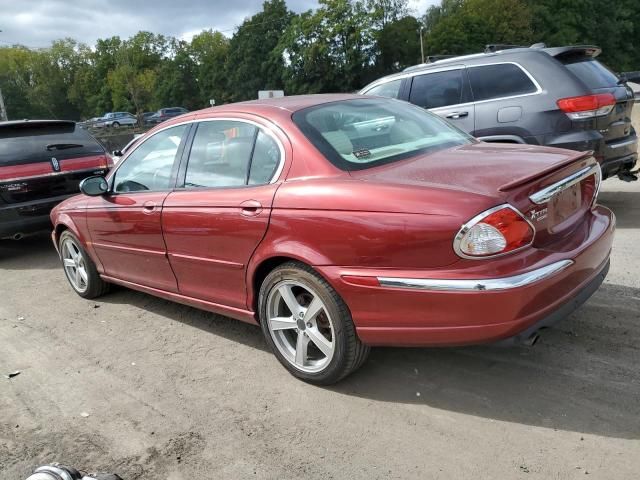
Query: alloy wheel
(74, 265)
(300, 326)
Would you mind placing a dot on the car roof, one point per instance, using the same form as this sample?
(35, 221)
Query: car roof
(36, 123)
(492, 56)
(288, 104)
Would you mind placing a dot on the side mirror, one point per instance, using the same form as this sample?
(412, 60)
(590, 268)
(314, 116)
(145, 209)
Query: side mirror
(117, 153)
(94, 186)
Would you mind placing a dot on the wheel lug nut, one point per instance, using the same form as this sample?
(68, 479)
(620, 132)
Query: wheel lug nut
(308, 324)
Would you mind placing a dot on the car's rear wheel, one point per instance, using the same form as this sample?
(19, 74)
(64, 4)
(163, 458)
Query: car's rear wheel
(79, 269)
(115, 125)
(308, 326)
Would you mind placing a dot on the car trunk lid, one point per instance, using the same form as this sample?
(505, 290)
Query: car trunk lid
(505, 173)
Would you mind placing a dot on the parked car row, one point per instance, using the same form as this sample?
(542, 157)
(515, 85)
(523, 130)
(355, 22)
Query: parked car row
(560, 97)
(126, 119)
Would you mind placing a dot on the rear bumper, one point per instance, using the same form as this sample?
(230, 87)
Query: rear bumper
(27, 217)
(476, 302)
(614, 157)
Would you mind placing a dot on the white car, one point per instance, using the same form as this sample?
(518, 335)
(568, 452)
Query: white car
(117, 119)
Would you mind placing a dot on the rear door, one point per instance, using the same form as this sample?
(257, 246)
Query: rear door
(213, 224)
(447, 94)
(46, 160)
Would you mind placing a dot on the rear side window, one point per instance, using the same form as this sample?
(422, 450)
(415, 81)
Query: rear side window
(389, 89)
(440, 89)
(592, 73)
(20, 144)
(265, 161)
(498, 81)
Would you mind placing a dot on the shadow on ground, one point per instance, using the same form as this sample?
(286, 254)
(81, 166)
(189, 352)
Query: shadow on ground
(581, 377)
(33, 252)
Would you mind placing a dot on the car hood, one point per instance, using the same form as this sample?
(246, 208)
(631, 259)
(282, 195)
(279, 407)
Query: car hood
(487, 169)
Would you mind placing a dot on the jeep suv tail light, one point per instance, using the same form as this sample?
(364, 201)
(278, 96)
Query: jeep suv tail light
(497, 231)
(587, 106)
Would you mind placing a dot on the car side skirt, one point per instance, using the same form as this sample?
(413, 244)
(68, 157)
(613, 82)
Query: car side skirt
(237, 313)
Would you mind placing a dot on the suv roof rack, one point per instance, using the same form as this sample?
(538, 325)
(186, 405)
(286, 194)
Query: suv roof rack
(495, 47)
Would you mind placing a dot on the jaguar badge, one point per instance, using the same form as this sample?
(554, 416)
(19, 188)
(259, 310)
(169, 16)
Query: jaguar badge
(55, 164)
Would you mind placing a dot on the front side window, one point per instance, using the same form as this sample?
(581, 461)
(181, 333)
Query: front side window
(149, 166)
(358, 134)
(499, 80)
(439, 89)
(389, 89)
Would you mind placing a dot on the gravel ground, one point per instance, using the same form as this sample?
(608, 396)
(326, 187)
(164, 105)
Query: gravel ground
(154, 390)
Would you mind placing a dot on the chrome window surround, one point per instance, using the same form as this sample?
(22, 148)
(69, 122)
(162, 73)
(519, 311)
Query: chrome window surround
(480, 285)
(477, 219)
(265, 129)
(460, 67)
(543, 196)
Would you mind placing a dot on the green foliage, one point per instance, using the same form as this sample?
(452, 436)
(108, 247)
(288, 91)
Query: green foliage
(340, 46)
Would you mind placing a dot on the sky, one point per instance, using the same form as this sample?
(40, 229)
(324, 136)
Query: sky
(36, 23)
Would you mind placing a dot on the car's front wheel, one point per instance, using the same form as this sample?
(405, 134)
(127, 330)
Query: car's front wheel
(308, 326)
(115, 125)
(79, 269)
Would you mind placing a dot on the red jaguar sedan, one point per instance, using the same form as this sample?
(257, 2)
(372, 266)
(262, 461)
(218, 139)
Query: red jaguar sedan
(340, 222)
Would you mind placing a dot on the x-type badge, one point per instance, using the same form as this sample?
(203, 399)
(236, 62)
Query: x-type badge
(538, 215)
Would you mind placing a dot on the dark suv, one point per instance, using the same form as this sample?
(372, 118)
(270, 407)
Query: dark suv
(41, 163)
(165, 114)
(560, 97)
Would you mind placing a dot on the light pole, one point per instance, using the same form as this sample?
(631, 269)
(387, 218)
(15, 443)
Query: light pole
(421, 45)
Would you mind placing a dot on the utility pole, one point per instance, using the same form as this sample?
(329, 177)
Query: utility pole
(421, 45)
(3, 110)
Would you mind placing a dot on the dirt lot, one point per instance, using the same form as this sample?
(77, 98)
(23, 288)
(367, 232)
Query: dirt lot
(154, 390)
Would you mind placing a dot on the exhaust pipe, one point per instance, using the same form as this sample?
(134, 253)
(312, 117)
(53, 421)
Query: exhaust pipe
(18, 236)
(532, 340)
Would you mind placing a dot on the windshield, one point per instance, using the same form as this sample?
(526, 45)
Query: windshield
(592, 73)
(362, 133)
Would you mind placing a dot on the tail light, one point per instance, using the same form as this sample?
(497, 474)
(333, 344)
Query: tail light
(587, 106)
(496, 231)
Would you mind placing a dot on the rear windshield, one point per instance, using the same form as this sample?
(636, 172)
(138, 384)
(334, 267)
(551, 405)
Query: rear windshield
(362, 133)
(592, 73)
(20, 144)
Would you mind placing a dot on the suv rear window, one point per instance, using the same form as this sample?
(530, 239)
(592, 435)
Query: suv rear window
(592, 73)
(498, 81)
(21, 144)
(359, 134)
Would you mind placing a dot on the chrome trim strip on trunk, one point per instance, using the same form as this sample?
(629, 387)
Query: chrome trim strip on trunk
(55, 174)
(543, 196)
(469, 285)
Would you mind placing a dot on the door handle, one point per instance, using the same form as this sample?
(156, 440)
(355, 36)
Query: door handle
(148, 207)
(250, 208)
(457, 114)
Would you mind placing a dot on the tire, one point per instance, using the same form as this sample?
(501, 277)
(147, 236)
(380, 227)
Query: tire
(79, 269)
(115, 125)
(293, 336)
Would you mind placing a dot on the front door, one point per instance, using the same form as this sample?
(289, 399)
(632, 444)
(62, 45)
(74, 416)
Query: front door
(213, 224)
(126, 224)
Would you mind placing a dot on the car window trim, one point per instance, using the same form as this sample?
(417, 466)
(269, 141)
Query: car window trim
(410, 76)
(180, 183)
(174, 167)
(466, 88)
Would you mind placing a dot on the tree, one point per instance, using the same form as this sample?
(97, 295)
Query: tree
(209, 51)
(476, 23)
(399, 45)
(252, 64)
(331, 49)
